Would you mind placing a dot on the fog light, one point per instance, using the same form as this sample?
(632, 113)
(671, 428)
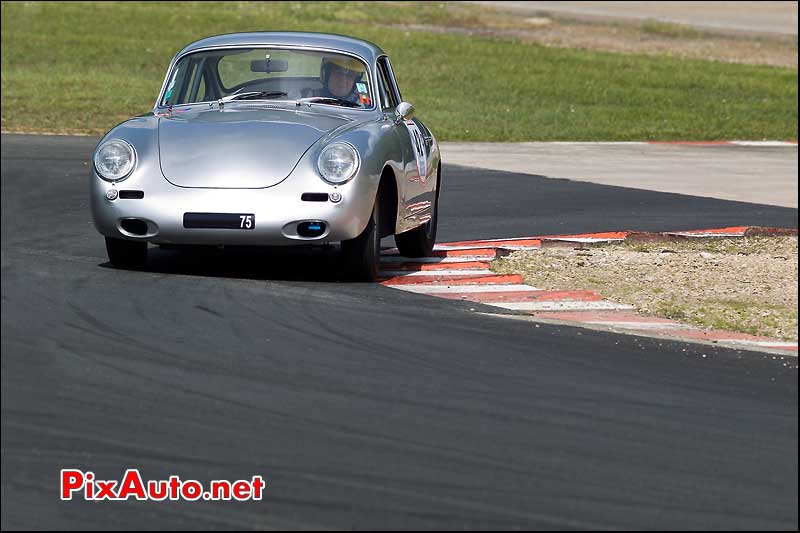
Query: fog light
(335, 197)
(112, 194)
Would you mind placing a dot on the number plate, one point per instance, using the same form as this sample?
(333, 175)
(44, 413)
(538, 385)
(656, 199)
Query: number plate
(219, 220)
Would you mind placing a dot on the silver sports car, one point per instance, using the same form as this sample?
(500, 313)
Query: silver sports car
(271, 139)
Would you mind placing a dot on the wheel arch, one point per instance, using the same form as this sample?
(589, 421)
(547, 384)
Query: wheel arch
(387, 198)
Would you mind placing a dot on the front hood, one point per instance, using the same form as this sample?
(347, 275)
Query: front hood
(237, 148)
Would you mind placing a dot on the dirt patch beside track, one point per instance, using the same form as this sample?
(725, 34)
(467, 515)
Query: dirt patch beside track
(744, 284)
(648, 37)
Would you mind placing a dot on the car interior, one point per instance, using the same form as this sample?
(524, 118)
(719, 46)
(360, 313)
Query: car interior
(202, 82)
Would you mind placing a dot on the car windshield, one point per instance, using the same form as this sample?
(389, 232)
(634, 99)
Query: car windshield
(269, 74)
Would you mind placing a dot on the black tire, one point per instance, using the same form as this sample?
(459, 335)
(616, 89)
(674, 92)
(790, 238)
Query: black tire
(362, 254)
(126, 254)
(419, 241)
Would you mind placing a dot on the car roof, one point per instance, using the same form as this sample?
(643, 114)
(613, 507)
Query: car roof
(365, 49)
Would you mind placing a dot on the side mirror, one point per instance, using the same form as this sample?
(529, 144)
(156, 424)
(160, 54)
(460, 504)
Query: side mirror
(404, 111)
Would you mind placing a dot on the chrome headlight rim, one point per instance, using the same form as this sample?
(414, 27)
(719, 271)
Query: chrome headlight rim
(356, 165)
(134, 159)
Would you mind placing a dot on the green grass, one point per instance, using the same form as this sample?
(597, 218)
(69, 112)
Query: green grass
(77, 67)
(669, 29)
(745, 317)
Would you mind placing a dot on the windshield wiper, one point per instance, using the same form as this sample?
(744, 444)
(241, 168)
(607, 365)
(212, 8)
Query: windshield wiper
(327, 100)
(255, 95)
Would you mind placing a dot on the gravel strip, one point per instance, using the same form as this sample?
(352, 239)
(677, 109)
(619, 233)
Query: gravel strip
(744, 284)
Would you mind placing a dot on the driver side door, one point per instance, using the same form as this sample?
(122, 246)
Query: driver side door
(417, 190)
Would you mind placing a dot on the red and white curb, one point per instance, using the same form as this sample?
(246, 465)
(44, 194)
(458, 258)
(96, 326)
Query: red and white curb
(460, 271)
(673, 143)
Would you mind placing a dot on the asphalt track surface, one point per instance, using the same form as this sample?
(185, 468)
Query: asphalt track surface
(364, 406)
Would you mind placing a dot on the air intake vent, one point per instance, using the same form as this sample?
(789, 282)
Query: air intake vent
(131, 195)
(134, 226)
(314, 197)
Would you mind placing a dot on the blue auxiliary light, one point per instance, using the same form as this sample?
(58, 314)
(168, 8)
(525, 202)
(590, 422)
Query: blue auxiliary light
(311, 229)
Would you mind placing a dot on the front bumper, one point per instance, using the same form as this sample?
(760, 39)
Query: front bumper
(277, 209)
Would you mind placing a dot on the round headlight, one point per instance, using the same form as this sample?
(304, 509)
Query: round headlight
(114, 160)
(338, 162)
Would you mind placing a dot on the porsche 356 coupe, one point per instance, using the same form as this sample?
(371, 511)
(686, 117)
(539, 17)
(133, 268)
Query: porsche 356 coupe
(271, 139)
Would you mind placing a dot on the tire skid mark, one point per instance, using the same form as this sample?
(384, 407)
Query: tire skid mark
(336, 429)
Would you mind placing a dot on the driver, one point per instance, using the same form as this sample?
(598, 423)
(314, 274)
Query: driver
(339, 76)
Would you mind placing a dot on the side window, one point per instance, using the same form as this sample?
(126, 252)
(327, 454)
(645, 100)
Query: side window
(177, 85)
(396, 85)
(388, 97)
(197, 83)
(382, 94)
(201, 92)
(187, 84)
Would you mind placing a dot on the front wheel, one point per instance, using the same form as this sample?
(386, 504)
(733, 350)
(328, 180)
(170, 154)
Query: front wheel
(362, 254)
(126, 254)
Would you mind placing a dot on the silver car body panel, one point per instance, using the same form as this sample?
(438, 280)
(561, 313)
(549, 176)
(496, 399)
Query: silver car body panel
(198, 148)
(259, 157)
